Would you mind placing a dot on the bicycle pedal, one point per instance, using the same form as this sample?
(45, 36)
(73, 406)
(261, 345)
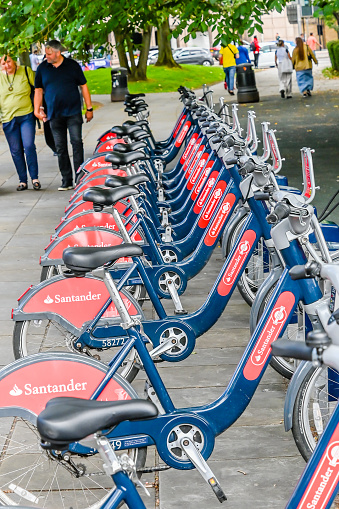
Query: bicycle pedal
(217, 490)
(180, 312)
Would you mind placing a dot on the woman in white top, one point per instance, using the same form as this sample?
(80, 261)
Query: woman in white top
(283, 61)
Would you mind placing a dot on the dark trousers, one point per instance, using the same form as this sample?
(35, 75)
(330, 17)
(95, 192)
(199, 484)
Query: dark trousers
(256, 60)
(20, 136)
(59, 127)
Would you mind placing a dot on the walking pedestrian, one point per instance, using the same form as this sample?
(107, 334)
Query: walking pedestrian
(254, 46)
(312, 42)
(18, 120)
(243, 57)
(58, 78)
(283, 62)
(302, 57)
(34, 60)
(229, 53)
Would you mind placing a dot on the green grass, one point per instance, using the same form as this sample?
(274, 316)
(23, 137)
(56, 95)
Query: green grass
(330, 73)
(160, 79)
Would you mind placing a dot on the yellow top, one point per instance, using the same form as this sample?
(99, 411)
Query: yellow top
(303, 65)
(228, 55)
(17, 102)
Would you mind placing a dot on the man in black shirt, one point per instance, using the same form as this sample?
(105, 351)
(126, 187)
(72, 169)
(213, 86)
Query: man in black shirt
(59, 78)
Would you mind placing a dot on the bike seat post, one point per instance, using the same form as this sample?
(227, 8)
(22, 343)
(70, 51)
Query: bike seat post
(121, 226)
(117, 300)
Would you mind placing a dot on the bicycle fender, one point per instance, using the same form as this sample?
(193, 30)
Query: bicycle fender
(71, 302)
(96, 219)
(292, 391)
(237, 216)
(27, 384)
(261, 294)
(85, 237)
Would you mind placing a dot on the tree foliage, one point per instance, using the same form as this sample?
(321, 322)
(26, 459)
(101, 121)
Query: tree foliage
(80, 23)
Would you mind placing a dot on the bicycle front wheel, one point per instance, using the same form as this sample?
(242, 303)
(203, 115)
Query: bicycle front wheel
(314, 405)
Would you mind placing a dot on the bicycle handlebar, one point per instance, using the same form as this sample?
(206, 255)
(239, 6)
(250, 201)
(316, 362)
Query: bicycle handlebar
(309, 270)
(294, 349)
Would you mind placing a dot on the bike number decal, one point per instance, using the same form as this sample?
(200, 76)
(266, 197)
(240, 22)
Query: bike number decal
(78, 300)
(270, 333)
(189, 147)
(235, 264)
(182, 134)
(205, 192)
(196, 173)
(95, 238)
(32, 386)
(202, 180)
(212, 204)
(181, 121)
(220, 219)
(324, 480)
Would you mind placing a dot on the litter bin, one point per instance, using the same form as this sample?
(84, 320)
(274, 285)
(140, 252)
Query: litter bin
(247, 89)
(119, 84)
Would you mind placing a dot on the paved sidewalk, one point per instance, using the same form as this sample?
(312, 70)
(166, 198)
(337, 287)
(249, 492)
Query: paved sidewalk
(255, 461)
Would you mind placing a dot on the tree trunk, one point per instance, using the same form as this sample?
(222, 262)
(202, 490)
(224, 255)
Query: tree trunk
(165, 51)
(24, 59)
(120, 47)
(139, 73)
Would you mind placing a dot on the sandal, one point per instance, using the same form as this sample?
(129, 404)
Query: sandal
(36, 185)
(22, 187)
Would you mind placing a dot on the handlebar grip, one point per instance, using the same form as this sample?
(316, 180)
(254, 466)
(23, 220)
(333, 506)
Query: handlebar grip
(232, 162)
(294, 349)
(310, 270)
(261, 196)
(297, 272)
(281, 211)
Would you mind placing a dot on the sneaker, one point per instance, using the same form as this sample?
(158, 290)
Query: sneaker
(309, 93)
(289, 97)
(282, 93)
(65, 187)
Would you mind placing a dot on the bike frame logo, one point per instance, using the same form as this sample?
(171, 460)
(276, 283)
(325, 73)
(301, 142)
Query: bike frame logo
(220, 219)
(270, 333)
(189, 147)
(195, 175)
(202, 180)
(181, 121)
(235, 264)
(183, 133)
(212, 204)
(194, 162)
(307, 176)
(325, 478)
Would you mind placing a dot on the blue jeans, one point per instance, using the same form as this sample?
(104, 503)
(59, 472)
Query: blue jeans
(229, 76)
(59, 127)
(20, 136)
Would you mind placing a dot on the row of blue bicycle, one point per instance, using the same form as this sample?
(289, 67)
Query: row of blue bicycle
(137, 231)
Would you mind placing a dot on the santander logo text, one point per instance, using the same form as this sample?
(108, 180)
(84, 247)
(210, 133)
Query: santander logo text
(61, 299)
(202, 180)
(219, 220)
(182, 134)
(212, 204)
(205, 192)
(325, 478)
(189, 147)
(270, 333)
(235, 264)
(31, 390)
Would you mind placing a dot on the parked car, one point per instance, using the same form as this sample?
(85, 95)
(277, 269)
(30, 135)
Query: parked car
(197, 56)
(99, 60)
(152, 56)
(267, 52)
